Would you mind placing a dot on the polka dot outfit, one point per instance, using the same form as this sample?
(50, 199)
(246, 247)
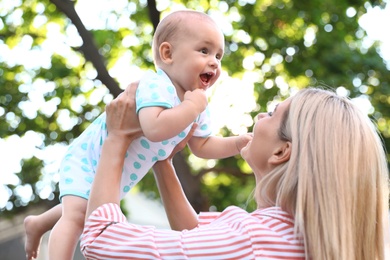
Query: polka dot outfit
(78, 167)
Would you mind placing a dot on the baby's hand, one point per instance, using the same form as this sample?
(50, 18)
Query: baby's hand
(198, 98)
(243, 140)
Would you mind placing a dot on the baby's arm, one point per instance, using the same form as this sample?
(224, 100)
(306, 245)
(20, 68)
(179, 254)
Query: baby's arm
(215, 147)
(159, 124)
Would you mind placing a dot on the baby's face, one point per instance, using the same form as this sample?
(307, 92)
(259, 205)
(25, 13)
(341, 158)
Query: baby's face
(196, 55)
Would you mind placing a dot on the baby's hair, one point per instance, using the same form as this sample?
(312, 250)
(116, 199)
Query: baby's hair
(171, 26)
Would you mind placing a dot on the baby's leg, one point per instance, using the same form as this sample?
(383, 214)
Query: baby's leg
(66, 233)
(36, 226)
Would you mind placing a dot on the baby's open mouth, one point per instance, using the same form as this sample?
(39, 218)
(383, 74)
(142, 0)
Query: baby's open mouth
(206, 77)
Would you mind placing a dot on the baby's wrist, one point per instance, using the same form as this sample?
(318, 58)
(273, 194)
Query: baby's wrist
(194, 105)
(237, 144)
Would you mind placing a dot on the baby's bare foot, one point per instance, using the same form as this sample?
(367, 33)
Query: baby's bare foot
(33, 236)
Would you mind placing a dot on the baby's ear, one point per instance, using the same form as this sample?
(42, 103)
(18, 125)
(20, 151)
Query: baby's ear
(281, 154)
(165, 51)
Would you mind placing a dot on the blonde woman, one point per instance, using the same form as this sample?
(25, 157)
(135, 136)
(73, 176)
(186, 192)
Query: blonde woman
(322, 191)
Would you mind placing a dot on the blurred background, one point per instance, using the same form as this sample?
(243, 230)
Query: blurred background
(61, 61)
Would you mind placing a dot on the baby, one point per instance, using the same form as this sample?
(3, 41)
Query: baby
(188, 62)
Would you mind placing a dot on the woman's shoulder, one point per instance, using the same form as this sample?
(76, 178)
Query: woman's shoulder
(237, 214)
(265, 215)
(275, 213)
(264, 226)
(271, 226)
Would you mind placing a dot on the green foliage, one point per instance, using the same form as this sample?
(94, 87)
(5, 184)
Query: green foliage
(291, 43)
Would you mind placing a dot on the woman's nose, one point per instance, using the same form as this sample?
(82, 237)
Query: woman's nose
(259, 116)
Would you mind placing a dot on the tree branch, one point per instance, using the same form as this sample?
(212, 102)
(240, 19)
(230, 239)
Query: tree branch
(89, 48)
(190, 183)
(154, 14)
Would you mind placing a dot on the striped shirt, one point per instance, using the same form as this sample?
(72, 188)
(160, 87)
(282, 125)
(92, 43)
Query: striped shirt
(231, 234)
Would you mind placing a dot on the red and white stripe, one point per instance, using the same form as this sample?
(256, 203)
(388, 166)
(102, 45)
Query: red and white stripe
(232, 234)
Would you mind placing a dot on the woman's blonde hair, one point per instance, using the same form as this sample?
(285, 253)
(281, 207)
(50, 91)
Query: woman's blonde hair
(335, 184)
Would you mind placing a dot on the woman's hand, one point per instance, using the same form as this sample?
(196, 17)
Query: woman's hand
(122, 119)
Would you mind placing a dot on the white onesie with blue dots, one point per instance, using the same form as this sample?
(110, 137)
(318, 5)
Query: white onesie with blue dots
(79, 165)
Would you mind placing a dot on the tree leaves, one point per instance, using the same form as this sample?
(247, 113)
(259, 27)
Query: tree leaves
(287, 44)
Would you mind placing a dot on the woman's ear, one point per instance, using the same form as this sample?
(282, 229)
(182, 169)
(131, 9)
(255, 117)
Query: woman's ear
(281, 154)
(165, 51)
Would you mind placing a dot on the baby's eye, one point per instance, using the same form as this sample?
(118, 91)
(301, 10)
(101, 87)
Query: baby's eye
(218, 56)
(204, 51)
(270, 113)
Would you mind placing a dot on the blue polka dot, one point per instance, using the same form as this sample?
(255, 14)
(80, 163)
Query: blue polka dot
(94, 162)
(145, 144)
(84, 160)
(88, 192)
(68, 180)
(67, 168)
(126, 188)
(171, 89)
(182, 134)
(85, 168)
(84, 146)
(88, 179)
(127, 154)
(68, 156)
(165, 142)
(207, 112)
(173, 143)
(155, 96)
(204, 127)
(153, 85)
(141, 157)
(160, 72)
(137, 165)
(101, 141)
(161, 153)
(133, 177)
(104, 126)
(154, 159)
